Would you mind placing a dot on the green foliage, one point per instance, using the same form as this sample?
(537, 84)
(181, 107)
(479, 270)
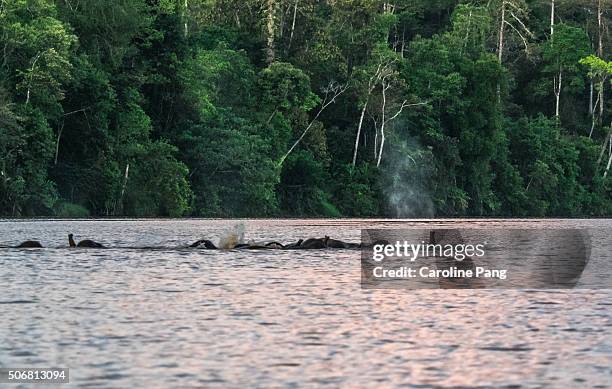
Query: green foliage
(597, 66)
(471, 28)
(286, 88)
(220, 77)
(285, 98)
(552, 164)
(599, 70)
(232, 174)
(357, 190)
(305, 184)
(157, 184)
(70, 210)
(167, 108)
(566, 47)
(462, 126)
(26, 147)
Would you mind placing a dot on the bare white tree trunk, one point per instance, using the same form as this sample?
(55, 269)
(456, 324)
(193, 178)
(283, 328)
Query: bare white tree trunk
(375, 139)
(295, 8)
(372, 82)
(383, 121)
(552, 17)
(591, 97)
(600, 30)
(605, 145)
(185, 16)
(271, 31)
(363, 111)
(557, 79)
(502, 25)
(125, 180)
(609, 158)
(382, 145)
(500, 44)
(557, 89)
(57, 143)
(32, 76)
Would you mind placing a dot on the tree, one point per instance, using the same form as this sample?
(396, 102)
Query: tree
(332, 92)
(512, 14)
(26, 148)
(562, 54)
(601, 70)
(35, 67)
(548, 161)
(270, 30)
(304, 107)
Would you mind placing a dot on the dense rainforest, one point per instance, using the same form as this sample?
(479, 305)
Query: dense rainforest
(254, 108)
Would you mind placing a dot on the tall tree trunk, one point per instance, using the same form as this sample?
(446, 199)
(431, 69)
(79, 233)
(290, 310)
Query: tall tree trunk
(31, 77)
(600, 53)
(591, 98)
(185, 16)
(295, 8)
(557, 80)
(403, 47)
(552, 17)
(382, 122)
(385, 120)
(592, 125)
(363, 111)
(375, 140)
(557, 90)
(374, 80)
(500, 44)
(609, 163)
(123, 186)
(382, 145)
(502, 24)
(271, 31)
(59, 137)
(605, 145)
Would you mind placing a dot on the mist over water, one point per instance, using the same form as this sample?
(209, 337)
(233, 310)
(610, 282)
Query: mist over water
(405, 188)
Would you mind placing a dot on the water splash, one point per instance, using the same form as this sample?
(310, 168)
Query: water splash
(232, 237)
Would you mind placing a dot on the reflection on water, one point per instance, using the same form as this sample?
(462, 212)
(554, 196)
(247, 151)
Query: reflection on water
(193, 318)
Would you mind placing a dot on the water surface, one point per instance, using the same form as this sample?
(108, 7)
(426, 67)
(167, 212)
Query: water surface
(165, 317)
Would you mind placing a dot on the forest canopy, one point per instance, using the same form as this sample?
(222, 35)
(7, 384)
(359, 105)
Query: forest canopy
(255, 108)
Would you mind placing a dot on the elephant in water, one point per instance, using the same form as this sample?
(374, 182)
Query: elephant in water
(84, 243)
(308, 244)
(29, 244)
(209, 245)
(203, 243)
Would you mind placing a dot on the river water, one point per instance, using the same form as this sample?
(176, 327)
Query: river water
(175, 318)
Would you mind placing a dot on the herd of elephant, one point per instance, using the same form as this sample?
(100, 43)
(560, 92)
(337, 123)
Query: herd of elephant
(308, 244)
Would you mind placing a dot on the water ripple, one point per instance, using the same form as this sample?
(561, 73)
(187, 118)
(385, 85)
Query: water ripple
(157, 317)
